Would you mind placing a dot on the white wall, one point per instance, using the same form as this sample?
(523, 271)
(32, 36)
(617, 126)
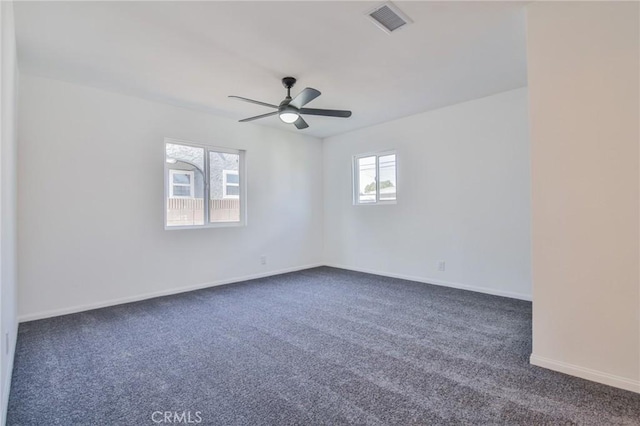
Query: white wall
(583, 82)
(91, 200)
(463, 197)
(8, 205)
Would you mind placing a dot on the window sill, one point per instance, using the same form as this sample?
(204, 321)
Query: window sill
(207, 226)
(379, 203)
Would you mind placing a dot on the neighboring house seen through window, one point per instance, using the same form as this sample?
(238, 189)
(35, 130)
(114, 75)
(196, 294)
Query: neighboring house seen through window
(204, 185)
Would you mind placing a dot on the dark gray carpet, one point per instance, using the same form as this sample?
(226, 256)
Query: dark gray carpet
(321, 346)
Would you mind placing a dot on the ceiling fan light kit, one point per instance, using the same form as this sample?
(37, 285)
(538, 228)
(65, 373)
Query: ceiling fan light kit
(289, 117)
(290, 110)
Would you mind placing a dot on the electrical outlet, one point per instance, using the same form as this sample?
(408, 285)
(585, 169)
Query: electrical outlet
(441, 266)
(263, 260)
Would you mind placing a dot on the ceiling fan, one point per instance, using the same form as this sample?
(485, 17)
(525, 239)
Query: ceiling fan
(290, 110)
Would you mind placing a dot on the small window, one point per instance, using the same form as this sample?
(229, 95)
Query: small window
(230, 184)
(374, 178)
(181, 183)
(204, 186)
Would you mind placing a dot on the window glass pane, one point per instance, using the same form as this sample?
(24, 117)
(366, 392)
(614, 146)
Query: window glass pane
(181, 191)
(233, 178)
(387, 173)
(224, 200)
(233, 190)
(182, 178)
(185, 195)
(177, 154)
(366, 169)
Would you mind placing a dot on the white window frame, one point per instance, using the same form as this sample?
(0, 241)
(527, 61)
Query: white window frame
(356, 179)
(172, 184)
(225, 184)
(242, 174)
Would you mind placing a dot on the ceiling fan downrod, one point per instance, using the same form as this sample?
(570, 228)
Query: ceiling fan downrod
(288, 83)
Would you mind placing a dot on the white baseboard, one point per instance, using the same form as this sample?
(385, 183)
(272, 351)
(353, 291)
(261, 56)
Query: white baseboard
(119, 301)
(137, 298)
(426, 280)
(586, 373)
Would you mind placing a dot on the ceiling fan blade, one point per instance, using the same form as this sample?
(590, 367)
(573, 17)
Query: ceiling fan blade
(300, 123)
(254, 102)
(304, 97)
(269, 114)
(326, 112)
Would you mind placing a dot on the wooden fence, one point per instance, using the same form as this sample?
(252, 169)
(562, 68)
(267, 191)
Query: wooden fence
(190, 211)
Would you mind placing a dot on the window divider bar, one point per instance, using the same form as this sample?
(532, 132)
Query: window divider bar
(377, 178)
(207, 189)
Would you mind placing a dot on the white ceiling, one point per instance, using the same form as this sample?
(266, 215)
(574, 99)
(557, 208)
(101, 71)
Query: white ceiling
(195, 54)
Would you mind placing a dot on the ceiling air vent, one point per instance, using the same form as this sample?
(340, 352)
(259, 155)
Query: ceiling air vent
(388, 17)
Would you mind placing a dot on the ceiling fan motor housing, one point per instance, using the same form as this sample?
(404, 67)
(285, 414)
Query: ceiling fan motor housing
(288, 82)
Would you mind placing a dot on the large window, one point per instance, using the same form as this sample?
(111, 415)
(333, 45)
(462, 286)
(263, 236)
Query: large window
(204, 186)
(374, 178)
